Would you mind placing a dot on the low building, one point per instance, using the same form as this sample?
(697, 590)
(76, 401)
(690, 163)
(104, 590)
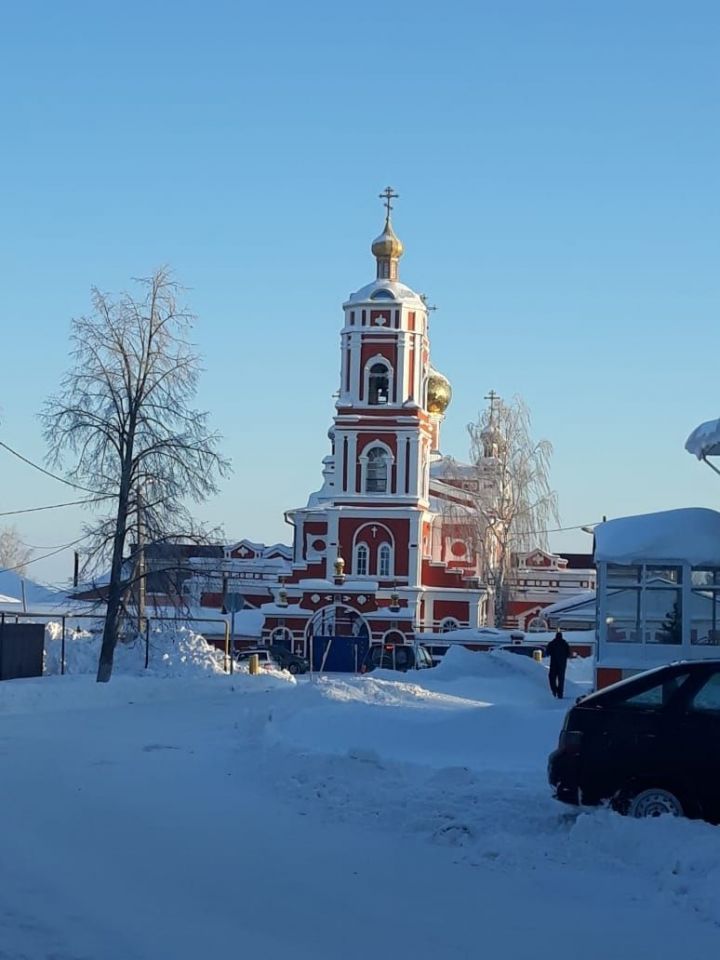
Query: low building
(539, 579)
(658, 596)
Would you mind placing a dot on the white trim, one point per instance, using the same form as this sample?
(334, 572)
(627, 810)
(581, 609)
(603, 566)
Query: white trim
(363, 458)
(286, 632)
(378, 359)
(357, 547)
(351, 466)
(390, 558)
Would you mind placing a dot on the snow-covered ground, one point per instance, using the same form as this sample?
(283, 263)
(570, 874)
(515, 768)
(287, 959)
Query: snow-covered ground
(354, 817)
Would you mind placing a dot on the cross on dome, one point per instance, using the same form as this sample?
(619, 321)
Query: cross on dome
(387, 195)
(387, 248)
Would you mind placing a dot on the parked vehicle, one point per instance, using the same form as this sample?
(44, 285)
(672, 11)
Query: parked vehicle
(396, 656)
(265, 657)
(648, 745)
(288, 660)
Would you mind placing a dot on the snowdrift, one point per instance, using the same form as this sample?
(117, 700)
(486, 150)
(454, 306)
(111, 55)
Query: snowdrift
(176, 652)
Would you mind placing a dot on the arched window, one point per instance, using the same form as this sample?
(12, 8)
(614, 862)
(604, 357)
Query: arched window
(379, 384)
(361, 560)
(377, 471)
(281, 637)
(448, 624)
(384, 560)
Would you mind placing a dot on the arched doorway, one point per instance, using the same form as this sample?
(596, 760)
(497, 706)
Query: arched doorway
(338, 638)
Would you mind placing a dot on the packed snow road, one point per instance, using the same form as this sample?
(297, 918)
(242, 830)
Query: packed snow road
(347, 817)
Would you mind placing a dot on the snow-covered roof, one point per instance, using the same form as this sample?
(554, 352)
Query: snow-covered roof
(586, 597)
(704, 441)
(690, 535)
(398, 291)
(449, 467)
(11, 585)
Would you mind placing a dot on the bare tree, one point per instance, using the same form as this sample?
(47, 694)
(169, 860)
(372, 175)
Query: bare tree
(123, 414)
(508, 481)
(14, 554)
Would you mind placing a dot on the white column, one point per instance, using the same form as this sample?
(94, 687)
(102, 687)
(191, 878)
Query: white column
(401, 374)
(419, 344)
(415, 553)
(352, 463)
(355, 372)
(414, 466)
(400, 461)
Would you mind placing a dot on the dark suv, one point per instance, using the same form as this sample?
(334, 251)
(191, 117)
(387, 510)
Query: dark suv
(288, 660)
(396, 656)
(648, 745)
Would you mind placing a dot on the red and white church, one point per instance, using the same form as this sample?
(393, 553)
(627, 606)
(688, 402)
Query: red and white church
(375, 556)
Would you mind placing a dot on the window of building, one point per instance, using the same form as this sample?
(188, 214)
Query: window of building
(705, 606)
(377, 471)
(281, 637)
(644, 604)
(384, 560)
(448, 624)
(379, 384)
(361, 560)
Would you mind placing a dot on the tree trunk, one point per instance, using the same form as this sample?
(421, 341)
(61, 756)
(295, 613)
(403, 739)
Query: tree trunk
(115, 590)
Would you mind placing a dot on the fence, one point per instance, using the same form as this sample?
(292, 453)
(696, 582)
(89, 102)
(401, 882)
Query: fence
(13, 617)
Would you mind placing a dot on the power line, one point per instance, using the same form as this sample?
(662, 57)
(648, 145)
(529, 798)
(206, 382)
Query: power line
(52, 506)
(45, 556)
(47, 473)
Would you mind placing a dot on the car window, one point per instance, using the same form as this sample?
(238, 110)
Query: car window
(707, 699)
(656, 696)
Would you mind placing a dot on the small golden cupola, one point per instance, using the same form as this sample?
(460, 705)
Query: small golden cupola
(387, 248)
(439, 393)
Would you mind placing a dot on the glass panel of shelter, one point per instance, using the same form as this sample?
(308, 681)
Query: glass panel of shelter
(705, 606)
(644, 604)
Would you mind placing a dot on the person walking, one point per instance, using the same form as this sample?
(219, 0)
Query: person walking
(558, 650)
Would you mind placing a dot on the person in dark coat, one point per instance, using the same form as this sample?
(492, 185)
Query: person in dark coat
(558, 650)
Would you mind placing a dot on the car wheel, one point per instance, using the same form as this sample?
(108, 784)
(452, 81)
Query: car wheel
(293, 668)
(655, 802)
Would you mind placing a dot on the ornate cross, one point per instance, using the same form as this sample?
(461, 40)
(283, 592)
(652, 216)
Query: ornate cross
(492, 397)
(387, 195)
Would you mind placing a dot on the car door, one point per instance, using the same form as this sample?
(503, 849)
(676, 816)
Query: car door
(632, 733)
(699, 743)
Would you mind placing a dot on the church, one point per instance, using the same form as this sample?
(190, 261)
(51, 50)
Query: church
(386, 550)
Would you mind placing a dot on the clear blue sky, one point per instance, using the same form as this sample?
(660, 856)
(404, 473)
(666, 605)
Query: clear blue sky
(559, 171)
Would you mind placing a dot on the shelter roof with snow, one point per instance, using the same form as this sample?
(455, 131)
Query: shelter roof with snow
(704, 441)
(690, 535)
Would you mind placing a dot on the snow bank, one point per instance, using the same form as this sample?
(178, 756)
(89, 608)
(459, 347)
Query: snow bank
(506, 677)
(174, 652)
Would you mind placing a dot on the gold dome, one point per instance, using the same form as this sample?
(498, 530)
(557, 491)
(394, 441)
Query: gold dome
(439, 392)
(387, 245)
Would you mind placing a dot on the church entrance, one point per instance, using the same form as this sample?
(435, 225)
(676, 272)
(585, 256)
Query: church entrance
(338, 638)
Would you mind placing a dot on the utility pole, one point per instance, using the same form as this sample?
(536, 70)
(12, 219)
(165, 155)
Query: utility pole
(140, 564)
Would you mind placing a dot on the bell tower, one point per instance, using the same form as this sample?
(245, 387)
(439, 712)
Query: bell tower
(383, 432)
(365, 564)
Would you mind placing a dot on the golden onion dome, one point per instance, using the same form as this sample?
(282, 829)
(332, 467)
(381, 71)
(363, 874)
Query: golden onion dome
(439, 392)
(387, 245)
